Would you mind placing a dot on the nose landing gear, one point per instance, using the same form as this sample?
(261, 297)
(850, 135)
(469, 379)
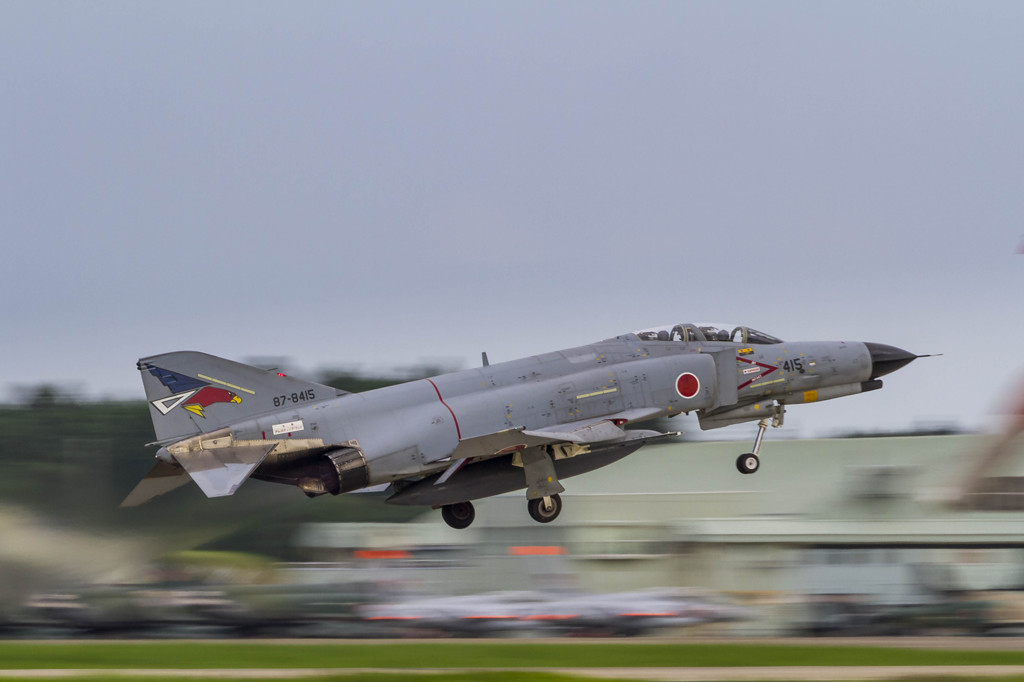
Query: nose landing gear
(545, 509)
(750, 462)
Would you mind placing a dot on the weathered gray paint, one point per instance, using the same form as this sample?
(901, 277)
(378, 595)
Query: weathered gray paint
(519, 413)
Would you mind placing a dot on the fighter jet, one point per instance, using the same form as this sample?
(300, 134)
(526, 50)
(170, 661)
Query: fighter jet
(524, 424)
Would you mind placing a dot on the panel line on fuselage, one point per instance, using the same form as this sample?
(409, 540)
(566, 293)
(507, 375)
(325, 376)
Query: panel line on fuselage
(458, 431)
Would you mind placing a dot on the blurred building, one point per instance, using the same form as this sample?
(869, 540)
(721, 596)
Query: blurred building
(830, 535)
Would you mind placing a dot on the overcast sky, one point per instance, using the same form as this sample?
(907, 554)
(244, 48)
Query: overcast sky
(372, 184)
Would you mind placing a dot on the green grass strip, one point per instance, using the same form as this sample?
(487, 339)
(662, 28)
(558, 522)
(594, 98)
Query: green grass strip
(256, 654)
(499, 676)
(502, 676)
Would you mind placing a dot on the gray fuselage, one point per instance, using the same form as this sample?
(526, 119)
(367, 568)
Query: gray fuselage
(413, 428)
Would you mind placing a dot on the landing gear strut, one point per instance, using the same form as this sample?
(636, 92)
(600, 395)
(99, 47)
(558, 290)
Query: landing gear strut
(545, 509)
(458, 515)
(751, 461)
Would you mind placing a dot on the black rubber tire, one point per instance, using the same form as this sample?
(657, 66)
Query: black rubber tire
(459, 515)
(541, 515)
(748, 463)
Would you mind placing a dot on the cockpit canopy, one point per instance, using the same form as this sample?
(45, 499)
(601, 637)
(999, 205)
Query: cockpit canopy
(706, 331)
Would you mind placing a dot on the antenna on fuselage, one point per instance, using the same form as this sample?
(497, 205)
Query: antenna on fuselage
(483, 356)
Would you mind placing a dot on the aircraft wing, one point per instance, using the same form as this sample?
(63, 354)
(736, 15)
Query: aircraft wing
(499, 443)
(588, 431)
(600, 431)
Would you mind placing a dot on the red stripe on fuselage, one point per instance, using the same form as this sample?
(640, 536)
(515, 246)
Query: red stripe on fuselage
(765, 371)
(458, 431)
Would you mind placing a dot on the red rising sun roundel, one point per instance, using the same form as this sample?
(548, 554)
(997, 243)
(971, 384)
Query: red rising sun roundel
(688, 385)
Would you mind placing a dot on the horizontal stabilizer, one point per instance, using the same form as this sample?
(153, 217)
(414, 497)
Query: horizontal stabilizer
(219, 472)
(162, 478)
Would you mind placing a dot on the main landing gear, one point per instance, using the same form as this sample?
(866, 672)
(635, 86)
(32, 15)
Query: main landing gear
(751, 462)
(458, 515)
(542, 488)
(543, 510)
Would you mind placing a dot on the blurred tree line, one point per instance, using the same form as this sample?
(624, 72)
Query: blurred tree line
(72, 461)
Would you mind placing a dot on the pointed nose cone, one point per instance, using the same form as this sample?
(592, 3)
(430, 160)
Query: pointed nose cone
(887, 359)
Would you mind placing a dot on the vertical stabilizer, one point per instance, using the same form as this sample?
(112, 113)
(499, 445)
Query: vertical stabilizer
(191, 393)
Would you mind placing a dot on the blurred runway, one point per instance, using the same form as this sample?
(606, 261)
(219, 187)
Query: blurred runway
(938, 643)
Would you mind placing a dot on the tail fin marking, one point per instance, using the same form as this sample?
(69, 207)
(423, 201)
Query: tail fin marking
(191, 393)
